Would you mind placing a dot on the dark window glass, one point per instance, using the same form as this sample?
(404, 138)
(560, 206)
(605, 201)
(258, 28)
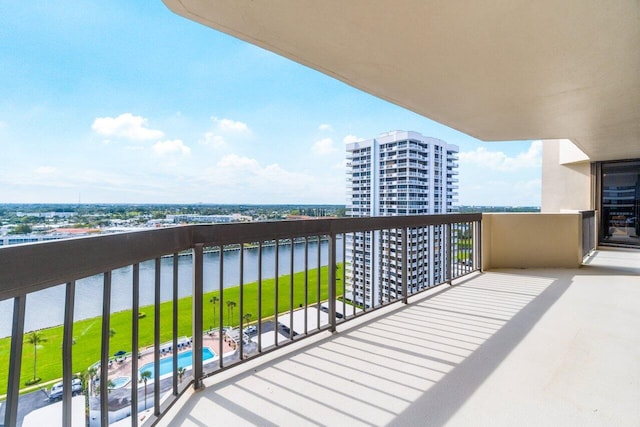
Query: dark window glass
(621, 203)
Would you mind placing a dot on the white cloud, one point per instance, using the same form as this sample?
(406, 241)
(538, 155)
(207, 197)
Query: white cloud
(230, 126)
(501, 192)
(341, 165)
(49, 176)
(224, 129)
(323, 147)
(213, 140)
(325, 127)
(233, 161)
(238, 178)
(134, 148)
(500, 161)
(175, 146)
(125, 126)
(351, 138)
(45, 170)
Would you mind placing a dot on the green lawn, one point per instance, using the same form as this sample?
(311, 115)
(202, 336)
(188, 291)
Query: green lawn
(86, 333)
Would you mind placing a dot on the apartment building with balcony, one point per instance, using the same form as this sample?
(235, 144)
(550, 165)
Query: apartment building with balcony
(397, 173)
(542, 332)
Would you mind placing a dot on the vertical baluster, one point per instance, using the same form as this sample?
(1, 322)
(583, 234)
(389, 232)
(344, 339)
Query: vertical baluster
(380, 280)
(405, 291)
(478, 244)
(221, 337)
(469, 245)
(364, 271)
(104, 352)
(174, 332)
(291, 292)
(135, 333)
(459, 250)
(277, 262)
(431, 244)
(391, 235)
(344, 277)
(319, 282)
(241, 277)
(423, 262)
(67, 342)
(354, 275)
(462, 249)
(306, 284)
(449, 254)
(375, 277)
(156, 339)
(260, 297)
(331, 277)
(454, 250)
(472, 242)
(461, 260)
(15, 361)
(197, 304)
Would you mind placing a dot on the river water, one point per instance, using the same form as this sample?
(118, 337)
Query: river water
(46, 308)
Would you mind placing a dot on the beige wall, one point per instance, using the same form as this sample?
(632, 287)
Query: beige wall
(534, 240)
(566, 177)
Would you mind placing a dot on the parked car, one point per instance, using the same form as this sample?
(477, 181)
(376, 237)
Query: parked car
(57, 389)
(251, 330)
(326, 310)
(285, 330)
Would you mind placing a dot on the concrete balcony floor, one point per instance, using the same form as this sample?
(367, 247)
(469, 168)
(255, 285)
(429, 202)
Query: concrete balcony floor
(507, 347)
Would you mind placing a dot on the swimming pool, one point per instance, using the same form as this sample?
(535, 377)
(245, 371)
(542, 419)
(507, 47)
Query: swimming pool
(184, 360)
(119, 382)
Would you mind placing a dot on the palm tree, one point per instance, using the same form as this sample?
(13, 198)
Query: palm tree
(35, 338)
(145, 375)
(180, 373)
(247, 317)
(110, 386)
(214, 300)
(91, 372)
(230, 305)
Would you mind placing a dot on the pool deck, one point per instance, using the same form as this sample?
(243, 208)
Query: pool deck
(123, 368)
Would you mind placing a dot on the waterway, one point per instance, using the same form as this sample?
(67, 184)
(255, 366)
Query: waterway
(46, 308)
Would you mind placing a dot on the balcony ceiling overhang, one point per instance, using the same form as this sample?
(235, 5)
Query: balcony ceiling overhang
(496, 70)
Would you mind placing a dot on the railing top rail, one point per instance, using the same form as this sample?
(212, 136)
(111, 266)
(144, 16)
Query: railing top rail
(35, 266)
(222, 234)
(32, 267)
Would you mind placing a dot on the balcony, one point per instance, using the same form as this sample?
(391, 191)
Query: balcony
(556, 330)
(549, 346)
(153, 261)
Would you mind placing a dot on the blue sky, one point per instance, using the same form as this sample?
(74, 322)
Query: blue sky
(125, 102)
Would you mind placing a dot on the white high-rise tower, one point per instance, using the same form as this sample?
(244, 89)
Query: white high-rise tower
(397, 173)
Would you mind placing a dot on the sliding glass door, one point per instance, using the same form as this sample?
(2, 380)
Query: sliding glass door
(620, 203)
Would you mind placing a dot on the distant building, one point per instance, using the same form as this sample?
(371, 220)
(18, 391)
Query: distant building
(397, 173)
(47, 215)
(206, 219)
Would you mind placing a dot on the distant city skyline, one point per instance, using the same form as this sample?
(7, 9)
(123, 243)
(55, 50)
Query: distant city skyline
(124, 102)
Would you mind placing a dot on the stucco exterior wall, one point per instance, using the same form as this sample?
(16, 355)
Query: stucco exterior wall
(566, 177)
(535, 240)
